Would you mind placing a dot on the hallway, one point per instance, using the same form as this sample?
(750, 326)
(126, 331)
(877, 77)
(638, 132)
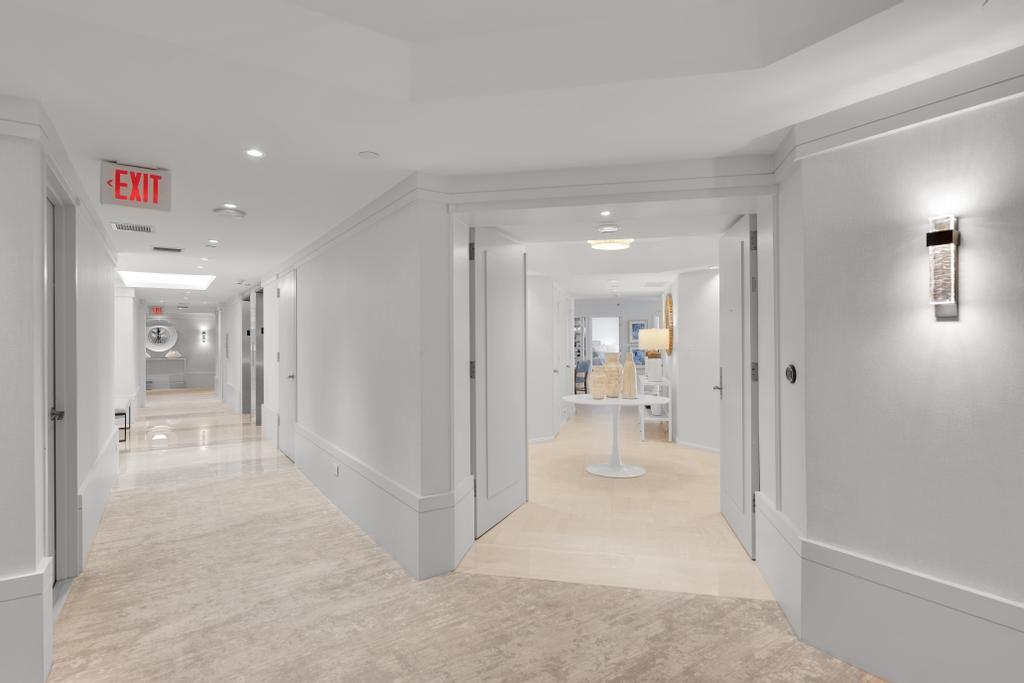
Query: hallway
(217, 560)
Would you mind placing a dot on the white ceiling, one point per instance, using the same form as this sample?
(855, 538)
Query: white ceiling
(445, 86)
(670, 237)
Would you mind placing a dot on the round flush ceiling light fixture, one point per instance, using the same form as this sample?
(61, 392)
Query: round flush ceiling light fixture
(255, 153)
(230, 206)
(369, 155)
(606, 213)
(212, 243)
(229, 211)
(608, 228)
(610, 245)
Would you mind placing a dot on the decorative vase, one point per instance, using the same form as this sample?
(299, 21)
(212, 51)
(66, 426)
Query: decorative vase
(612, 375)
(598, 386)
(629, 378)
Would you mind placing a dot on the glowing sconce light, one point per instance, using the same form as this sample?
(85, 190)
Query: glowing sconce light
(943, 262)
(204, 336)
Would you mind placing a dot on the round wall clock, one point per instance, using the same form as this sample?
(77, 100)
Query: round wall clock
(668, 324)
(161, 337)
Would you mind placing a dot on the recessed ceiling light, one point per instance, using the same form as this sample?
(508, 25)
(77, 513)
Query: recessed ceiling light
(203, 258)
(231, 213)
(369, 155)
(213, 242)
(201, 267)
(230, 206)
(610, 245)
(608, 227)
(185, 298)
(139, 280)
(606, 213)
(254, 153)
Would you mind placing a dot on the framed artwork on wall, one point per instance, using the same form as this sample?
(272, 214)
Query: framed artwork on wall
(634, 330)
(639, 357)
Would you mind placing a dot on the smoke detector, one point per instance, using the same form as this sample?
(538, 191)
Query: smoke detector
(230, 212)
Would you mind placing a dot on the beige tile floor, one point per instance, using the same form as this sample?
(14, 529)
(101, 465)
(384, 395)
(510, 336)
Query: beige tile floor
(661, 531)
(216, 560)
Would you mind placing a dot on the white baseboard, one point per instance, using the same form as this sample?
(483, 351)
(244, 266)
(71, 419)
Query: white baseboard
(269, 424)
(698, 446)
(543, 439)
(779, 560)
(26, 625)
(426, 534)
(888, 620)
(94, 492)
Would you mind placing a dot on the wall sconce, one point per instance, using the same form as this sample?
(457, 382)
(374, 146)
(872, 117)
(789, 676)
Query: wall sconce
(943, 262)
(203, 336)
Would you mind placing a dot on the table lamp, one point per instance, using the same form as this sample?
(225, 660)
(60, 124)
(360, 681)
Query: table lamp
(654, 340)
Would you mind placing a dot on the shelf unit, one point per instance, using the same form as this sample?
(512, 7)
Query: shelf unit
(655, 387)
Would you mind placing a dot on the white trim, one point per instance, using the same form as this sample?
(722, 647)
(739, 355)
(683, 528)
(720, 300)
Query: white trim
(420, 532)
(94, 493)
(835, 598)
(1000, 76)
(26, 618)
(393, 488)
(543, 439)
(987, 606)
(27, 585)
(698, 446)
(270, 418)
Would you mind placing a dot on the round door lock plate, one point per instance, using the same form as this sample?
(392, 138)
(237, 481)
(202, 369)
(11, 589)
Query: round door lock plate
(791, 374)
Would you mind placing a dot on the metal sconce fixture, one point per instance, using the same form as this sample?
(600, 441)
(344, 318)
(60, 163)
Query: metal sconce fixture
(943, 262)
(204, 336)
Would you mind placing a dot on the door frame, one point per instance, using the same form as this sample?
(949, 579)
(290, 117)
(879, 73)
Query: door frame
(61, 344)
(765, 196)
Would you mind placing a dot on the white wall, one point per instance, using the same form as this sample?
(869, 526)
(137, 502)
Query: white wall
(693, 365)
(271, 367)
(374, 382)
(229, 352)
(97, 436)
(540, 358)
(29, 146)
(129, 346)
(918, 416)
(200, 357)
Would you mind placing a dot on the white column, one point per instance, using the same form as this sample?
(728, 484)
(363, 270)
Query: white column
(26, 575)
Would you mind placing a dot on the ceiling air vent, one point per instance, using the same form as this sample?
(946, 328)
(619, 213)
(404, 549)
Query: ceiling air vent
(657, 285)
(132, 227)
(173, 250)
(182, 307)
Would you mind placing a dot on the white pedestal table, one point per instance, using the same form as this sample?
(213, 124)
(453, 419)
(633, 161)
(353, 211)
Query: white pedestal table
(615, 468)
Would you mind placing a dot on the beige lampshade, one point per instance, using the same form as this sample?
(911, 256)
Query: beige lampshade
(654, 339)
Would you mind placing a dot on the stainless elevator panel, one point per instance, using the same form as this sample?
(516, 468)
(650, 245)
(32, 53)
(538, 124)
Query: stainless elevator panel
(257, 356)
(246, 357)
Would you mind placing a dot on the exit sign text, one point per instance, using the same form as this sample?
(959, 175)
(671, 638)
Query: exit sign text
(125, 185)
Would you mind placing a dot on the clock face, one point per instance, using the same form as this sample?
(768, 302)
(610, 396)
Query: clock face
(161, 337)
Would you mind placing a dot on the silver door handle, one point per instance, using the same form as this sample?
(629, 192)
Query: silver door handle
(291, 376)
(716, 388)
(56, 415)
(555, 371)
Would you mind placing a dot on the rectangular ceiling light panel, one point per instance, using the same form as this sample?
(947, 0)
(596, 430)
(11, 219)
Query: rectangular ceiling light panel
(165, 280)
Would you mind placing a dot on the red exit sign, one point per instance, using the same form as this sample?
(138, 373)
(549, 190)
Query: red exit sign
(156, 310)
(124, 185)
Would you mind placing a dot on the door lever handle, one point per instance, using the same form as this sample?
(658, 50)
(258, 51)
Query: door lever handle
(291, 376)
(56, 415)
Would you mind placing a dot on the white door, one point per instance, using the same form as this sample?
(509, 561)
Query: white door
(287, 367)
(564, 368)
(737, 481)
(51, 389)
(498, 311)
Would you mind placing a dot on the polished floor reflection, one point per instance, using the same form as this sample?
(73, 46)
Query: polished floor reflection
(188, 434)
(661, 531)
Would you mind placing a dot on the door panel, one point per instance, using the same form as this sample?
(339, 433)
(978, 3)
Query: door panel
(498, 306)
(286, 368)
(51, 391)
(736, 477)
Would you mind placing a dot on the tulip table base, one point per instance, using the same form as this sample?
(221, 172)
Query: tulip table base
(615, 468)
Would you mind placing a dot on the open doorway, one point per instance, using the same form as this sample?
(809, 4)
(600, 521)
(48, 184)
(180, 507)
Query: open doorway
(650, 492)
